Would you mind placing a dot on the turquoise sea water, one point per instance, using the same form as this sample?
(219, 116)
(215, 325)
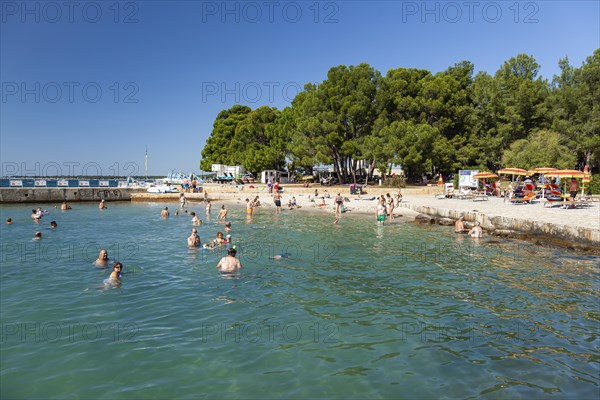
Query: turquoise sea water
(354, 311)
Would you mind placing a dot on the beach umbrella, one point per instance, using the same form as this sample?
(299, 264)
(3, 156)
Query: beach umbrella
(513, 171)
(567, 173)
(587, 177)
(542, 171)
(485, 175)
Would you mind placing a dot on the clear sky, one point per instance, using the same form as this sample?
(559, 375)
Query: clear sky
(87, 86)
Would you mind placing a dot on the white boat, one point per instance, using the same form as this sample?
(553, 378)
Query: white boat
(162, 189)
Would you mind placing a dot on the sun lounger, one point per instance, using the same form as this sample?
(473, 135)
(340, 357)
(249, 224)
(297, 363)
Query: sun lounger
(527, 199)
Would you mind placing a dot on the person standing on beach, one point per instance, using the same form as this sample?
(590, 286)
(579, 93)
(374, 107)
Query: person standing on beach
(381, 212)
(398, 197)
(339, 203)
(277, 200)
(573, 189)
(222, 213)
(390, 202)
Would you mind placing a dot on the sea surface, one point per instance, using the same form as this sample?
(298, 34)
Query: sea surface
(352, 310)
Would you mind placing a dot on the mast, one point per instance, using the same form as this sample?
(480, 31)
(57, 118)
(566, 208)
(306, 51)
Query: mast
(146, 163)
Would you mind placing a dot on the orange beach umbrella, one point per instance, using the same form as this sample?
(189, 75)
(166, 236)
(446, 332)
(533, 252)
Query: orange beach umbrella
(567, 173)
(542, 170)
(513, 171)
(485, 175)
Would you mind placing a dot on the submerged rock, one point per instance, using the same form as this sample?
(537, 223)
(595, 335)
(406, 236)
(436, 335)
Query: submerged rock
(445, 221)
(424, 219)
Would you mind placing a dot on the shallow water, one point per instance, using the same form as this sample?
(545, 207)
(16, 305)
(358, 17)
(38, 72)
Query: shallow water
(353, 311)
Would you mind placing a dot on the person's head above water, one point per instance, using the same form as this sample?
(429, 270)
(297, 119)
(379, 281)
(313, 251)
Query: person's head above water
(231, 252)
(228, 224)
(103, 255)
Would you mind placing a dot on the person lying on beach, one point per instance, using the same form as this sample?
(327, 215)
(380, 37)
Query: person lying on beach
(459, 226)
(193, 240)
(102, 258)
(229, 263)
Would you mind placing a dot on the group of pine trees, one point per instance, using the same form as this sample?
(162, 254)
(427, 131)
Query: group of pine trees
(358, 120)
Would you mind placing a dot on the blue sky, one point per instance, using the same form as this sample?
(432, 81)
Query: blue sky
(88, 85)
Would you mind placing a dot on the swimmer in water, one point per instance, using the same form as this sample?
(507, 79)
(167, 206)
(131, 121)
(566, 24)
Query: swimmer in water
(165, 213)
(195, 219)
(37, 236)
(229, 263)
(9, 221)
(459, 227)
(279, 256)
(102, 206)
(53, 224)
(222, 212)
(65, 206)
(219, 239)
(194, 240)
(102, 259)
(115, 276)
(476, 231)
(228, 226)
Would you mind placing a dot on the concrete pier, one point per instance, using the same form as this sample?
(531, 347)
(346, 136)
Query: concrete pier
(56, 195)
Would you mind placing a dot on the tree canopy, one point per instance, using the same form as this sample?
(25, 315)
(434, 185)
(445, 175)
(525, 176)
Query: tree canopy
(358, 120)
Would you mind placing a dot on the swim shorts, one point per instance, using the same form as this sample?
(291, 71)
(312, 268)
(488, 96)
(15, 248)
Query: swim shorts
(380, 218)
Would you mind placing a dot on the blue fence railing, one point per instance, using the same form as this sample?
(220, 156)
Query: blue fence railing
(60, 183)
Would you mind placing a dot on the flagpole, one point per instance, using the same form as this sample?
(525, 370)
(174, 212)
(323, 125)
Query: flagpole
(146, 162)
